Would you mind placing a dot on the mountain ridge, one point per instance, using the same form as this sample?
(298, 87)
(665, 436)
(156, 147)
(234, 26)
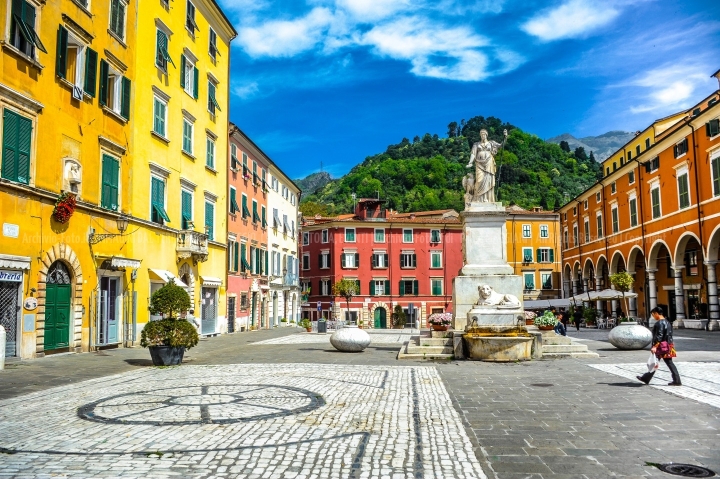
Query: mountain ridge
(602, 146)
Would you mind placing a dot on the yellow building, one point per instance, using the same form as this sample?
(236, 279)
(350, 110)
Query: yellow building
(178, 172)
(66, 123)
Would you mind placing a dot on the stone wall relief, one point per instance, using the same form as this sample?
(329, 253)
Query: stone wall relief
(72, 176)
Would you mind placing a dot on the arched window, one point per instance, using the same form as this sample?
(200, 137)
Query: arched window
(58, 273)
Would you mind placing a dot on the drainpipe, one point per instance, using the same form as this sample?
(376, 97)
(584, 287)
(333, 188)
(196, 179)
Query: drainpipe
(642, 230)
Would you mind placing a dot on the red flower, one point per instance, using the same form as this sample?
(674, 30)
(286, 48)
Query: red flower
(63, 213)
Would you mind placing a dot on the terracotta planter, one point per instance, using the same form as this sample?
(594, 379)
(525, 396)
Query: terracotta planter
(439, 327)
(546, 328)
(529, 322)
(309, 330)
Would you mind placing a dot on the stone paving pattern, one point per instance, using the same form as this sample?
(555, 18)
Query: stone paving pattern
(561, 419)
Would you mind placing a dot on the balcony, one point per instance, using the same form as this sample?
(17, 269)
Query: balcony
(194, 245)
(291, 280)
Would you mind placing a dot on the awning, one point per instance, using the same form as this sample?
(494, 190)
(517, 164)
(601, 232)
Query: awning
(14, 262)
(210, 281)
(166, 276)
(547, 303)
(119, 262)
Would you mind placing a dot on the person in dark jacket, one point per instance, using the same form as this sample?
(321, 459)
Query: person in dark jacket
(560, 327)
(577, 318)
(564, 317)
(662, 331)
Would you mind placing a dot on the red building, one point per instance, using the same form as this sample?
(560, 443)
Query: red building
(407, 259)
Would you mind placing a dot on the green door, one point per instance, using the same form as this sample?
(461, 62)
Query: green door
(58, 305)
(380, 318)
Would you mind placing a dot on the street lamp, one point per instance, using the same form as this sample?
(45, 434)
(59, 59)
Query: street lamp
(122, 224)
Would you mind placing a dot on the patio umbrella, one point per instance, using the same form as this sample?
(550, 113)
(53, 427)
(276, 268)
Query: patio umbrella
(586, 297)
(608, 294)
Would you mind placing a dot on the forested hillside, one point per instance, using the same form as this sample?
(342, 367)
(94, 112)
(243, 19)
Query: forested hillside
(426, 173)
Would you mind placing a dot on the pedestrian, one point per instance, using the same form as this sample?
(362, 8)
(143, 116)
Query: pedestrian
(560, 327)
(618, 312)
(190, 316)
(577, 318)
(663, 347)
(564, 317)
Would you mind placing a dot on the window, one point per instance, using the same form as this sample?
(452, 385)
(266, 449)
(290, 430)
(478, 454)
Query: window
(380, 260)
(306, 261)
(306, 238)
(76, 63)
(17, 140)
(585, 204)
(545, 255)
(597, 197)
(157, 199)
(264, 184)
(615, 219)
(565, 239)
(325, 287)
(349, 235)
(599, 221)
(244, 264)
(246, 170)
(683, 188)
(190, 18)
(189, 76)
(408, 287)
(586, 225)
(213, 104)
(349, 260)
(212, 45)
(607, 171)
(613, 188)
(652, 165)
(256, 216)
(546, 279)
(681, 148)
(22, 29)
(436, 259)
(434, 236)
(324, 238)
(526, 231)
(529, 281)
(575, 234)
(233, 256)
(574, 212)
(655, 200)
(255, 176)
(637, 150)
(114, 90)
(162, 57)
(407, 236)
(187, 215)
(633, 212)
(159, 117)
(324, 260)
(436, 287)
(379, 287)
(234, 208)
(210, 220)
(712, 128)
(544, 232)
(110, 179)
(379, 235)
(691, 263)
(117, 18)
(263, 217)
(210, 157)
(527, 255)
(245, 209)
(408, 260)
(631, 177)
(234, 162)
(715, 167)
(629, 158)
(187, 145)
(647, 143)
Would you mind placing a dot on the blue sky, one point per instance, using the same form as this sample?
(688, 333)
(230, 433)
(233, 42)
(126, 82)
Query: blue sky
(338, 80)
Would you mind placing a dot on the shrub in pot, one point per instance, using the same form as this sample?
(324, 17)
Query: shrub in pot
(546, 321)
(305, 323)
(168, 338)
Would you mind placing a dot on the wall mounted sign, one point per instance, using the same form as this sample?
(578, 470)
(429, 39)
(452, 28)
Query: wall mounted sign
(30, 304)
(11, 276)
(10, 230)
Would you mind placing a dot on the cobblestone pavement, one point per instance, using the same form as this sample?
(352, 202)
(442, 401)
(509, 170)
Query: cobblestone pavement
(376, 337)
(285, 420)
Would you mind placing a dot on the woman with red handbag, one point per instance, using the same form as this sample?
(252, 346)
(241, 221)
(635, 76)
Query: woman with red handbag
(663, 346)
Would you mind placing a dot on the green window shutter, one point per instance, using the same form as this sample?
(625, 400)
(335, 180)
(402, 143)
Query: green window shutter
(232, 200)
(387, 288)
(357, 260)
(374, 261)
(210, 220)
(103, 88)
(243, 261)
(402, 293)
(125, 98)
(10, 152)
(91, 58)
(537, 255)
(357, 287)
(110, 174)
(552, 255)
(24, 143)
(716, 176)
(182, 71)
(342, 260)
(61, 53)
(415, 287)
(264, 219)
(186, 209)
(414, 260)
(372, 288)
(196, 73)
(267, 269)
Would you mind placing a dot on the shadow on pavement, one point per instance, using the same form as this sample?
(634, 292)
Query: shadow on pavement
(625, 385)
(139, 362)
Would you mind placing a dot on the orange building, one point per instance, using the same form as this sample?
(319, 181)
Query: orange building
(656, 215)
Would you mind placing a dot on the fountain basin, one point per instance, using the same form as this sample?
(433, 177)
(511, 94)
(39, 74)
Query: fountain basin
(498, 348)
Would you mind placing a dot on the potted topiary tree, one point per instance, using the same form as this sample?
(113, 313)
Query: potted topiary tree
(398, 317)
(168, 338)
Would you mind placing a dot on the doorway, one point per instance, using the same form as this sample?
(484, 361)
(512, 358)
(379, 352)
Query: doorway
(380, 318)
(9, 309)
(231, 315)
(58, 304)
(275, 309)
(209, 311)
(109, 308)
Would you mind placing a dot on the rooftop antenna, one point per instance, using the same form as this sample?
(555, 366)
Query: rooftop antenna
(354, 197)
(378, 193)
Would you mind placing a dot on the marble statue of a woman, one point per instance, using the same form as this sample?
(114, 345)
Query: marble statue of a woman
(483, 155)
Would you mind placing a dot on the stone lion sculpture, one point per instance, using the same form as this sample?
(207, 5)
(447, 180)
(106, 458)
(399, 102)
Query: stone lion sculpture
(488, 297)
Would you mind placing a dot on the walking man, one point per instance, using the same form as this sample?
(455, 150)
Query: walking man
(577, 317)
(663, 346)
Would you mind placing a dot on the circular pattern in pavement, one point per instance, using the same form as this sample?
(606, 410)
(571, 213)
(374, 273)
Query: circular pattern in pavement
(206, 404)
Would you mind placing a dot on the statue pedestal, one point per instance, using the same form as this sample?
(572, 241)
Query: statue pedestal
(499, 332)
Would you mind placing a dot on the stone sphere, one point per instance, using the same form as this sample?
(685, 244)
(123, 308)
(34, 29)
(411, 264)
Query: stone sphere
(630, 336)
(350, 339)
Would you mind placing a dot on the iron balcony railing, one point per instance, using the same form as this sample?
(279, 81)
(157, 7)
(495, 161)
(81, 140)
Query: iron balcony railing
(291, 280)
(192, 243)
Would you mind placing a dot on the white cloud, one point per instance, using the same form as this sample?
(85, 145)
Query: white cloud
(369, 10)
(246, 90)
(575, 18)
(670, 88)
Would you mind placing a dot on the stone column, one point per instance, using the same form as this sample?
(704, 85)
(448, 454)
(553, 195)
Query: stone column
(566, 289)
(679, 296)
(652, 288)
(586, 285)
(632, 302)
(712, 296)
(598, 304)
(574, 287)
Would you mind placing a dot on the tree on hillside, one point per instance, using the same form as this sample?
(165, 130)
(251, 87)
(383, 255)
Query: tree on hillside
(565, 146)
(580, 153)
(310, 208)
(592, 157)
(452, 129)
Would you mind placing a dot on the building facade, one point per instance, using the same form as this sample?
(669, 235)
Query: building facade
(68, 74)
(248, 235)
(396, 259)
(656, 215)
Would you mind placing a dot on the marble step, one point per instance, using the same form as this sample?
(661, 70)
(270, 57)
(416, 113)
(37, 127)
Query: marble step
(564, 348)
(427, 333)
(412, 349)
(556, 340)
(586, 354)
(425, 356)
(434, 342)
